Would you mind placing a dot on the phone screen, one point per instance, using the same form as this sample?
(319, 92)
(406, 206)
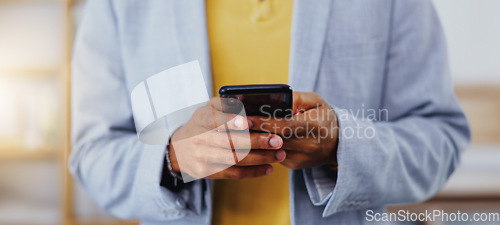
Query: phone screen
(273, 104)
(270, 100)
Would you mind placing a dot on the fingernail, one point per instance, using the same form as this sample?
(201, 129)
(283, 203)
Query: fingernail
(280, 155)
(275, 142)
(250, 123)
(238, 122)
(269, 170)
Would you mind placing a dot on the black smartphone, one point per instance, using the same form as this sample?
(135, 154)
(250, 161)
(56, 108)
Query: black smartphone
(275, 100)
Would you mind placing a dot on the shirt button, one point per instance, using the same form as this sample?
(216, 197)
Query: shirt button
(179, 202)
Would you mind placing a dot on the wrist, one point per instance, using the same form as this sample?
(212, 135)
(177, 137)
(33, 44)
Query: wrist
(173, 166)
(174, 173)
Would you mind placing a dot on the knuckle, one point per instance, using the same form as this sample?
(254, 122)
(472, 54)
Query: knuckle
(202, 116)
(261, 141)
(291, 164)
(198, 169)
(239, 173)
(199, 156)
(197, 140)
(234, 173)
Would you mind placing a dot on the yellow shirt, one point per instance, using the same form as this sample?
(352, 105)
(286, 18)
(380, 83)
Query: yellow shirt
(249, 42)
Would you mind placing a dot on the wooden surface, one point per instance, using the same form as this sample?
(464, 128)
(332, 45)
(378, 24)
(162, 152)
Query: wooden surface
(67, 199)
(482, 106)
(20, 154)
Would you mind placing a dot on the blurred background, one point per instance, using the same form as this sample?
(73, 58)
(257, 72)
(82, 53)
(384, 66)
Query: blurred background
(35, 48)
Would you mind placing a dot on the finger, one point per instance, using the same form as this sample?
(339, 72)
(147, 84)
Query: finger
(261, 157)
(213, 119)
(278, 125)
(300, 144)
(240, 172)
(303, 101)
(243, 140)
(228, 105)
(212, 156)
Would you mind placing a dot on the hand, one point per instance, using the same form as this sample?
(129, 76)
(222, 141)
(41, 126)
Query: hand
(310, 136)
(203, 144)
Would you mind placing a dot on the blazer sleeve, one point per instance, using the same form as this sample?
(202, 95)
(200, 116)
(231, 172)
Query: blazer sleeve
(120, 173)
(418, 146)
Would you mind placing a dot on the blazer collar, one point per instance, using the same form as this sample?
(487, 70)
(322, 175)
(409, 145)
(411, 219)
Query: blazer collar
(309, 27)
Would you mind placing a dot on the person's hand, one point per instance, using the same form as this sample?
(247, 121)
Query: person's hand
(310, 135)
(204, 146)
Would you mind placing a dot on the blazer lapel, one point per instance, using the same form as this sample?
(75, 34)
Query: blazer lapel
(309, 27)
(191, 35)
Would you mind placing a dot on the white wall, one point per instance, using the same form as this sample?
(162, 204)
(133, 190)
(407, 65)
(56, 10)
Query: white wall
(473, 31)
(30, 35)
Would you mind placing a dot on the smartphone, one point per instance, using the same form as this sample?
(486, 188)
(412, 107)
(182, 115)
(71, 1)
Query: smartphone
(275, 100)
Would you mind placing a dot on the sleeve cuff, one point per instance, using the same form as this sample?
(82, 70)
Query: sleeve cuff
(346, 194)
(170, 205)
(320, 183)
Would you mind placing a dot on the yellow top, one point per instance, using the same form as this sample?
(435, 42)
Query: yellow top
(249, 42)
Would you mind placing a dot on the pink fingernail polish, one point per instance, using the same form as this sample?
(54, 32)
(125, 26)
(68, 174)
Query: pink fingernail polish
(275, 142)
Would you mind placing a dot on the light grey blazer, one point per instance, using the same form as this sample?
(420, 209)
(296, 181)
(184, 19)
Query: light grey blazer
(359, 55)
